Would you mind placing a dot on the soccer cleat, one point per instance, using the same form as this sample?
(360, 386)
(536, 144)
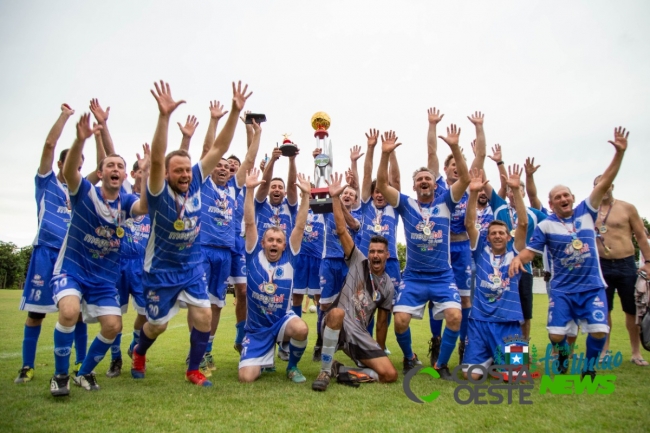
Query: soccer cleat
(268, 369)
(138, 365)
(197, 378)
(25, 374)
(387, 352)
(295, 375)
(444, 372)
(87, 382)
(283, 351)
(204, 369)
(461, 351)
(360, 377)
(115, 368)
(335, 368)
(322, 381)
(410, 364)
(77, 367)
(238, 347)
(210, 361)
(434, 349)
(562, 359)
(60, 385)
(317, 354)
(591, 373)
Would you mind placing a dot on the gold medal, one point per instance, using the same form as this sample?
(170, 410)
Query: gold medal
(607, 250)
(119, 232)
(308, 228)
(602, 229)
(426, 230)
(512, 232)
(577, 244)
(375, 296)
(269, 288)
(179, 225)
(477, 226)
(377, 228)
(496, 281)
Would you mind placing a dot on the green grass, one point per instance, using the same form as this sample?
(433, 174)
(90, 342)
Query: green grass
(164, 402)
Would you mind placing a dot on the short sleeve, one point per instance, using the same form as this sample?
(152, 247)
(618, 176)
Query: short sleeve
(82, 191)
(355, 257)
(538, 241)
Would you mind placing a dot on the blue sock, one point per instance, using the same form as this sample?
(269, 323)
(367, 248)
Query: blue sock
(198, 343)
(145, 343)
(239, 337)
(63, 338)
(464, 323)
(435, 325)
(96, 353)
(136, 339)
(297, 309)
(208, 348)
(80, 341)
(447, 346)
(594, 347)
(116, 350)
(371, 325)
(296, 349)
(30, 339)
(404, 341)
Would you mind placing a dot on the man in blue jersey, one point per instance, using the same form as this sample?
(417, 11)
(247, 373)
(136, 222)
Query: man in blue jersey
(53, 206)
(173, 263)
(577, 295)
(496, 311)
(269, 260)
(367, 288)
(428, 275)
(87, 268)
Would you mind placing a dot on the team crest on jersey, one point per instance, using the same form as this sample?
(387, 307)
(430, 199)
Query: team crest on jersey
(578, 224)
(279, 272)
(104, 232)
(456, 296)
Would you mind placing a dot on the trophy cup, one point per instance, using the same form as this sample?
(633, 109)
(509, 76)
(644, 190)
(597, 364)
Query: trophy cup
(288, 148)
(321, 202)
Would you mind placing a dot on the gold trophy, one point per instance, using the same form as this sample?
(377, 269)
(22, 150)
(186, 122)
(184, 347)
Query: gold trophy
(321, 202)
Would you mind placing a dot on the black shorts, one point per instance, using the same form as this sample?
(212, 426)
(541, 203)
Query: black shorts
(526, 295)
(620, 275)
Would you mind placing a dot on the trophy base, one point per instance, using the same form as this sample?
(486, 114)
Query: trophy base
(321, 205)
(288, 150)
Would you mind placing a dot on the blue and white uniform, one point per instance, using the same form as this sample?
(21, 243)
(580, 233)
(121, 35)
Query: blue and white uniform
(483, 218)
(173, 264)
(88, 265)
(238, 252)
(308, 262)
(577, 295)
(428, 275)
(333, 268)
(53, 210)
(268, 303)
(268, 215)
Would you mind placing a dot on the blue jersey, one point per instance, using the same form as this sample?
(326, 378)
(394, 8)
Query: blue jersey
(441, 187)
(268, 288)
(332, 248)
(240, 232)
(496, 297)
(91, 249)
(503, 212)
(313, 236)
(53, 209)
(381, 222)
(218, 227)
(426, 228)
(571, 244)
(136, 236)
(458, 214)
(483, 218)
(170, 250)
(267, 215)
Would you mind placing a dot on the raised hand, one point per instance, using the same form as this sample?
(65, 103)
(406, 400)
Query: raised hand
(239, 96)
(163, 95)
(217, 111)
(276, 154)
(100, 114)
(293, 157)
(350, 179)
(316, 152)
(96, 131)
(263, 162)
(252, 178)
(388, 140)
(372, 135)
(434, 115)
(514, 176)
(84, 131)
(476, 180)
(453, 135)
(144, 162)
(190, 126)
(476, 118)
(304, 183)
(473, 144)
(355, 153)
(335, 185)
(65, 109)
(257, 128)
(530, 166)
(620, 139)
(496, 153)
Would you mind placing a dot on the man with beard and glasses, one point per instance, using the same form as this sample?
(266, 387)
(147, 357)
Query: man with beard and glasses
(173, 266)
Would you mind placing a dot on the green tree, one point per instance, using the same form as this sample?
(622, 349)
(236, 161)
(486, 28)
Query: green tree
(401, 255)
(14, 262)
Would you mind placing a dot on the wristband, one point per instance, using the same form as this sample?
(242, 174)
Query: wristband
(500, 163)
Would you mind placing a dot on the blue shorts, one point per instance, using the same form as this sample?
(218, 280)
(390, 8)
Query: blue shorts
(258, 347)
(130, 283)
(461, 263)
(217, 267)
(306, 275)
(483, 338)
(95, 301)
(418, 288)
(237, 268)
(332, 277)
(164, 291)
(37, 292)
(567, 311)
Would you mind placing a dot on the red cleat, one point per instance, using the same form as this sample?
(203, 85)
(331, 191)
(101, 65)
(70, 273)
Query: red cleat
(197, 378)
(138, 364)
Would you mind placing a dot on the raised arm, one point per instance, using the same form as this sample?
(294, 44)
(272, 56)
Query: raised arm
(295, 240)
(476, 184)
(47, 157)
(366, 184)
(101, 154)
(166, 106)
(222, 142)
(188, 131)
(250, 228)
(101, 116)
(479, 146)
(292, 190)
(73, 159)
(433, 163)
(253, 142)
(141, 207)
(216, 113)
(606, 180)
(388, 146)
(263, 190)
(514, 183)
(355, 154)
(452, 138)
(497, 157)
(394, 176)
(335, 190)
(531, 188)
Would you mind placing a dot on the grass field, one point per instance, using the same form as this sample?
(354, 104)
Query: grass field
(164, 402)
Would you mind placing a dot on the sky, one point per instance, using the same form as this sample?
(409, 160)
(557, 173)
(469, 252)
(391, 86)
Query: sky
(553, 78)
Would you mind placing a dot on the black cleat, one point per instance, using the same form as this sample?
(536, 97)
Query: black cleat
(434, 349)
(317, 354)
(410, 364)
(591, 373)
(87, 382)
(322, 381)
(115, 369)
(563, 361)
(60, 385)
(444, 373)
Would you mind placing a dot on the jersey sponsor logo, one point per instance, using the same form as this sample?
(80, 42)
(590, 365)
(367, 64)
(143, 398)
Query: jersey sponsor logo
(575, 258)
(37, 281)
(598, 303)
(63, 209)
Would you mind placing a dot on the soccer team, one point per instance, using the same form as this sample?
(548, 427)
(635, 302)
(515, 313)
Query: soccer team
(181, 233)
